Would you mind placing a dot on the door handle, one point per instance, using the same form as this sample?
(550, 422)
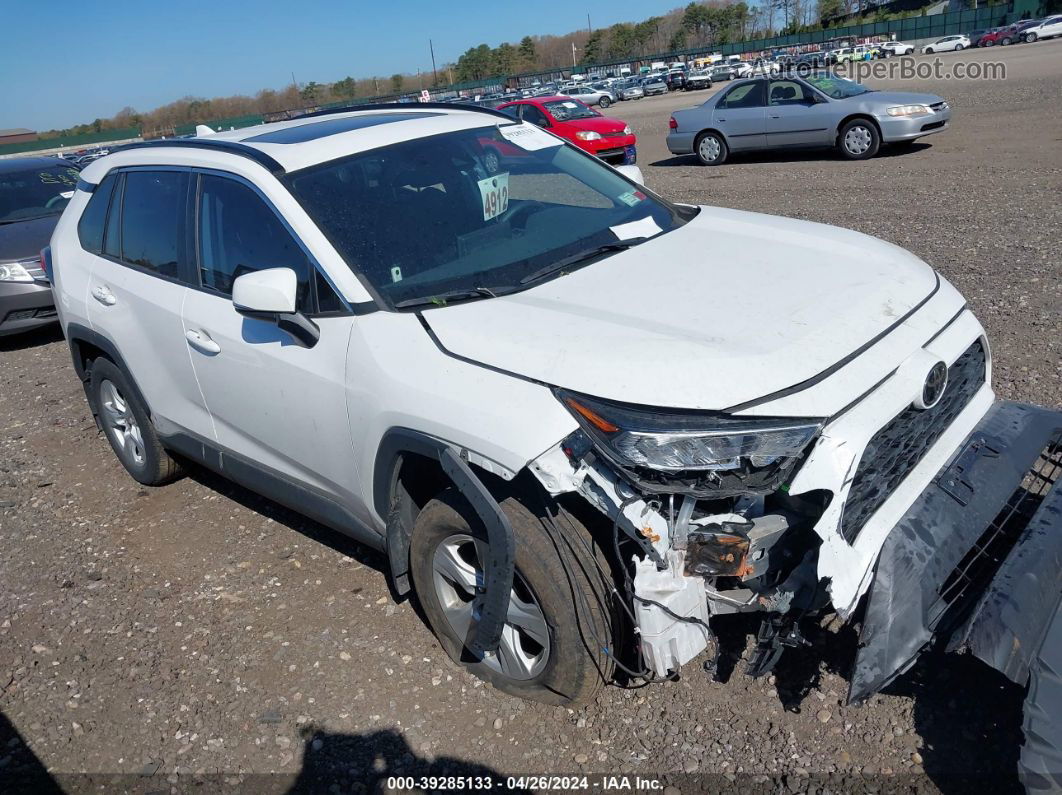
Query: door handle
(201, 342)
(104, 296)
(776, 117)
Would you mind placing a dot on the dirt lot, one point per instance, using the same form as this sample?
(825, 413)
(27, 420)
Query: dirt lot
(198, 630)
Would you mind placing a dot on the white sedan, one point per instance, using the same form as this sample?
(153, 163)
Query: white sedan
(947, 44)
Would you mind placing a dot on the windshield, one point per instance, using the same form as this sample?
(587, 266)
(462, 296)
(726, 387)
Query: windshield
(836, 87)
(35, 192)
(568, 109)
(481, 211)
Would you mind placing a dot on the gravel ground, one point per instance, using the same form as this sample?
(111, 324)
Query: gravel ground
(200, 631)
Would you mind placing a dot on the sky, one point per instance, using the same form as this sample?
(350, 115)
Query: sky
(66, 62)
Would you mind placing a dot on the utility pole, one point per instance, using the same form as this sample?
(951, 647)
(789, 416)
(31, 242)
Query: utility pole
(294, 84)
(434, 74)
(573, 54)
(589, 29)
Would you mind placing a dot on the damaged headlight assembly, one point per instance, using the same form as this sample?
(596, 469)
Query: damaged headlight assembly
(709, 455)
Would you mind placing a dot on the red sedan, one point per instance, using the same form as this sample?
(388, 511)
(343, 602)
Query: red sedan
(610, 139)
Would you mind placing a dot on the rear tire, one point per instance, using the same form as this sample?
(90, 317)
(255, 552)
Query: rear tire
(711, 149)
(959, 47)
(128, 427)
(929, 50)
(858, 140)
(553, 651)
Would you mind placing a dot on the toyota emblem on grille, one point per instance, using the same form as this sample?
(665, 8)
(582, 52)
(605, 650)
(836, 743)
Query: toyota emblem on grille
(933, 388)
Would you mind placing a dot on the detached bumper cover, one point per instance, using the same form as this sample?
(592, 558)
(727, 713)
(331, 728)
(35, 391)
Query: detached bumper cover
(977, 563)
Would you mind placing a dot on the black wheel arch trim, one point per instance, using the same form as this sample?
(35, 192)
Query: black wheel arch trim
(77, 334)
(492, 599)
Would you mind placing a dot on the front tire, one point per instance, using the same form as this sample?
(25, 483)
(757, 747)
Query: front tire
(605, 102)
(560, 609)
(1030, 38)
(128, 427)
(858, 140)
(711, 149)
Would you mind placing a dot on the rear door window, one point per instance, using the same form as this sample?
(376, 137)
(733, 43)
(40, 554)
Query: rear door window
(152, 216)
(748, 95)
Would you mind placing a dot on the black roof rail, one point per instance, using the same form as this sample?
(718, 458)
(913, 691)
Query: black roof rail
(409, 107)
(231, 147)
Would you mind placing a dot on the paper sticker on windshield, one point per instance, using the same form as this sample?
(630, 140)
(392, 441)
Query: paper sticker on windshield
(528, 137)
(494, 193)
(632, 197)
(644, 227)
(570, 105)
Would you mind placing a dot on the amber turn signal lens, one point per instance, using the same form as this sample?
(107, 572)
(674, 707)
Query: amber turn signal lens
(594, 419)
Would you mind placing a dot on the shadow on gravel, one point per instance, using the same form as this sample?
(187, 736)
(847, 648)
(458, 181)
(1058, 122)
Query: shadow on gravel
(31, 339)
(969, 717)
(20, 769)
(787, 156)
(368, 763)
(286, 517)
(799, 671)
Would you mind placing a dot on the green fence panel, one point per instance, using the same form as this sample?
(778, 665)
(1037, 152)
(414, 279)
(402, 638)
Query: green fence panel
(74, 141)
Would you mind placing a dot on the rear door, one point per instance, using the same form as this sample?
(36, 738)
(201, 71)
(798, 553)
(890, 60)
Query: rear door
(741, 115)
(277, 405)
(795, 117)
(137, 287)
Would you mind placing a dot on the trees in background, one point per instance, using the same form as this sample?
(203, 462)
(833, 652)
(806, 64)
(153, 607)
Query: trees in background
(703, 23)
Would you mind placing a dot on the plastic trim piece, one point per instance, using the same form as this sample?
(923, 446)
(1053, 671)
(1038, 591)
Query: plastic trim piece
(231, 147)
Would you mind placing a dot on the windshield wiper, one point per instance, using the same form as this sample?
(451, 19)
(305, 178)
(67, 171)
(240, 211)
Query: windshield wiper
(583, 256)
(442, 299)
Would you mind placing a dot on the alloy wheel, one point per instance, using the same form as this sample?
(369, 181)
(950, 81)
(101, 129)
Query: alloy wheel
(121, 424)
(457, 573)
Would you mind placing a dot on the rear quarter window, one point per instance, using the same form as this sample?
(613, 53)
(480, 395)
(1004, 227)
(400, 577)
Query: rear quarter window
(94, 218)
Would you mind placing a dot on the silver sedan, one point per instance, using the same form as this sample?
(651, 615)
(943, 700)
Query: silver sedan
(817, 110)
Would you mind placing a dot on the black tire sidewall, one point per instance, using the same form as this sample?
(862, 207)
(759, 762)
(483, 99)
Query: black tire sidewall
(605, 102)
(723, 149)
(572, 674)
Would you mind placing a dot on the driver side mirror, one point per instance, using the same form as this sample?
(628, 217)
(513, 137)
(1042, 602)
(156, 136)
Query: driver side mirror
(271, 295)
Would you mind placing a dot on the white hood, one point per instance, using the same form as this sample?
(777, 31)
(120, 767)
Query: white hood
(726, 309)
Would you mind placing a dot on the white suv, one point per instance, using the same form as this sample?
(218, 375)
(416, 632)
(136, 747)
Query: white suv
(579, 420)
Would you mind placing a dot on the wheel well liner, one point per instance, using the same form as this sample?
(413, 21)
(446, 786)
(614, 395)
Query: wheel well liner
(853, 117)
(86, 345)
(392, 500)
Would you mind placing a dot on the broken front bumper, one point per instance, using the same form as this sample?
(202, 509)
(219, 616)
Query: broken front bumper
(976, 563)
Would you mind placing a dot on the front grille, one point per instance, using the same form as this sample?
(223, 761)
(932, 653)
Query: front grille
(936, 107)
(980, 564)
(897, 448)
(933, 125)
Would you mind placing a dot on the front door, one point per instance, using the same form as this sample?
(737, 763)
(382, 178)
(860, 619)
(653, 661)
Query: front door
(795, 117)
(741, 116)
(279, 406)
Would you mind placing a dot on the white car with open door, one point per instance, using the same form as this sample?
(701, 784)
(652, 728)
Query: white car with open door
(570, 412)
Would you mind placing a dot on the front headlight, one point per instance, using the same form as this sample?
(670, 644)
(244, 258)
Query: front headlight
(627, 130)
(908, 110)
(14, 272)
(697, 444)
(588, 135)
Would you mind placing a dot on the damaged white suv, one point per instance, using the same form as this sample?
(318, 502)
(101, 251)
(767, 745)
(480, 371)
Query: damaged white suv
(579, 420)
